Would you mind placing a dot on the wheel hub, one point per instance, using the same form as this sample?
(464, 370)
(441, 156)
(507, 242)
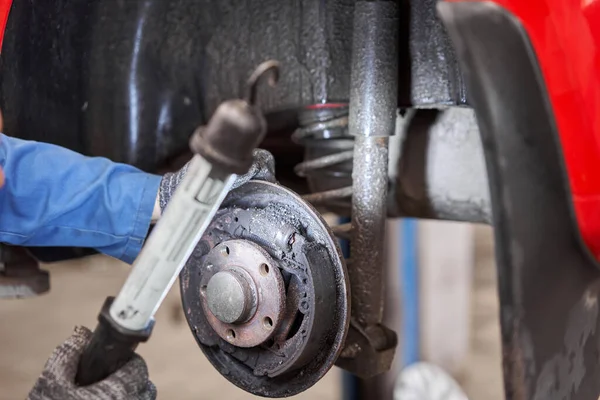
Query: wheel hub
(244, 296)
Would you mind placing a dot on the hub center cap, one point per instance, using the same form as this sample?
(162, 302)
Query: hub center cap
(230, 296)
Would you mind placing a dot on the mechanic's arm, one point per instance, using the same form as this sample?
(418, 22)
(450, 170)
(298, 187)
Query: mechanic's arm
(55, 197)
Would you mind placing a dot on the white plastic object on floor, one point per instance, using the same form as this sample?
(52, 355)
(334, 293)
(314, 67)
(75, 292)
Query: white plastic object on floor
(426, 381)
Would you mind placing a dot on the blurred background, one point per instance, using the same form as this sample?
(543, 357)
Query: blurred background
(441, 299)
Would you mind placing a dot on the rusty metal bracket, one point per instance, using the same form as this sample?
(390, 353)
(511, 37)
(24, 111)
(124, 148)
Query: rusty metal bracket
(369, 350)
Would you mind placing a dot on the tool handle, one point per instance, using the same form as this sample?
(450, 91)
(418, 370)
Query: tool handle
(110, 348)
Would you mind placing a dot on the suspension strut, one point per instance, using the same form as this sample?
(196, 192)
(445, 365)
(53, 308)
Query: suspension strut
(347, 169)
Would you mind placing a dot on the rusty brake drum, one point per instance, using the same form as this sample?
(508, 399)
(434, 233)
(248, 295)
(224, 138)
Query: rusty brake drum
(268, 302)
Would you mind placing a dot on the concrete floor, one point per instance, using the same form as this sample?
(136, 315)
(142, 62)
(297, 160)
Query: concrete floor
(32, 328)
(482, 378)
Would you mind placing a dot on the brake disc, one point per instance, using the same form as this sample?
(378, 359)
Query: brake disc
(268, 303)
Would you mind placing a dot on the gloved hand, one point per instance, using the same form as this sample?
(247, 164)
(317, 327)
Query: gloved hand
(57, 381)
(263, 168)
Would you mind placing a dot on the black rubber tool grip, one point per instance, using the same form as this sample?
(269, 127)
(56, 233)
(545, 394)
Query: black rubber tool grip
(111, 347)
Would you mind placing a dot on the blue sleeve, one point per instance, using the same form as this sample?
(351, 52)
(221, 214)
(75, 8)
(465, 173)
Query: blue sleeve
(55, 197)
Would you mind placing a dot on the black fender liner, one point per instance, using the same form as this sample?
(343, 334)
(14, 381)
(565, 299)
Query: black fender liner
(548, 283)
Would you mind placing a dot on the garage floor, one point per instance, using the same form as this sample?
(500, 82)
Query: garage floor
(32, 328)
(483, 376)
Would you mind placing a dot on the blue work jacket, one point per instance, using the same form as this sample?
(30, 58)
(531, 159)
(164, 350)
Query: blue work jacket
(56, 197)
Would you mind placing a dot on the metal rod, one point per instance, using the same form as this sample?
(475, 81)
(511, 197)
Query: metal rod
(372, 118)
(323, 162)
(320, 198)
(374, 73)
(342, 231)
(368, 219)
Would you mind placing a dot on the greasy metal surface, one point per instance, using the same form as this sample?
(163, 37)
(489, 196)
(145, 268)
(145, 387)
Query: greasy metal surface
(372, 118)
(374, 69)
(548, 283)
(430, 75)
(441, 168)
(264, 275)
(20, 274)
(315, 321)
(369, 213)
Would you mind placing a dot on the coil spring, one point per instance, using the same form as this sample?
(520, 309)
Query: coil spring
(328, 158)
(328, 155)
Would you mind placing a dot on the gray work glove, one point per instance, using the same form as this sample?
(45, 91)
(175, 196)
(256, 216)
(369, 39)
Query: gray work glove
(57, 381)
(263, 168)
